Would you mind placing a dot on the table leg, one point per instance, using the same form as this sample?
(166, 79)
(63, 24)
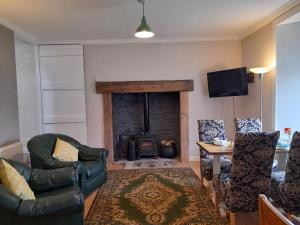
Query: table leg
(282, 158)
(216, 164)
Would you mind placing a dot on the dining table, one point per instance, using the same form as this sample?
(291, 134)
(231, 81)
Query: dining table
(216, 151)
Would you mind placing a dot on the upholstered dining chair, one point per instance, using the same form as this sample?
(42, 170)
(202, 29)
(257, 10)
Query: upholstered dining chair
(250, 175)
(285, 185)
(246, 125)
(208, 130)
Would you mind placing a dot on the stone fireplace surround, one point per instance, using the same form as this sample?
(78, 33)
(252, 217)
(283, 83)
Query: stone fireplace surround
(181, 86)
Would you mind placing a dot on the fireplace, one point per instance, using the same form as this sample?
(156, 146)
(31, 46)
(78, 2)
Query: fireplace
(137, 89)
(145, 119)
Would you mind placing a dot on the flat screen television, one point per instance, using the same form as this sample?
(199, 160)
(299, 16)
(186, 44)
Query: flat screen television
(233, 82)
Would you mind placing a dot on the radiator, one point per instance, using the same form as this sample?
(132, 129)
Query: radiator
(14, 151)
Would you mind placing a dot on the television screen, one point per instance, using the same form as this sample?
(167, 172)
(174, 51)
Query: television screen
(232, 82)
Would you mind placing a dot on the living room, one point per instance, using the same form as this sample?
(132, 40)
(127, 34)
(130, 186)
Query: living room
(126, 89)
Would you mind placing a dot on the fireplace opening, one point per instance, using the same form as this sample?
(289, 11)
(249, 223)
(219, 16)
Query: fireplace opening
(143, 123)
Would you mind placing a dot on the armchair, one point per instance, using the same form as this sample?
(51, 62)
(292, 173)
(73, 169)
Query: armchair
(58, 201)
(91, 166)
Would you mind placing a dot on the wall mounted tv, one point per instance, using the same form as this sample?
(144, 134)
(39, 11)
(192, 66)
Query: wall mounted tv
(233, 82)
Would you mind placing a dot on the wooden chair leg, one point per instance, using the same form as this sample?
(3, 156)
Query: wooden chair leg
(232, 218)
(217, 202)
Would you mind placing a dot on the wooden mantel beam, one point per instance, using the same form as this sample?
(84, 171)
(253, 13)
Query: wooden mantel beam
(144, 86)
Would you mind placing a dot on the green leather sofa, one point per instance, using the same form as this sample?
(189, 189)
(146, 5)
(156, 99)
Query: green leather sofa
(59, 200)
(91, 166)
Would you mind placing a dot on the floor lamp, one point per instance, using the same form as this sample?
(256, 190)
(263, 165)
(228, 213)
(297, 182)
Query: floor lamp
(261, 71)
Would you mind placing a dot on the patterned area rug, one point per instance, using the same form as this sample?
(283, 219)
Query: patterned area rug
(151, 163)
(152, 197)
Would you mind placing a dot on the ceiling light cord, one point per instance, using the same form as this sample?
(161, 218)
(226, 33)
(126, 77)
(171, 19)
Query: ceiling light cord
(143, 9)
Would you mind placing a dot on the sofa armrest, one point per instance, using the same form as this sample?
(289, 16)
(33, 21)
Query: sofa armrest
(44, 180)
(87, 153)
(66, 203)
(8, 201)
(55, 164)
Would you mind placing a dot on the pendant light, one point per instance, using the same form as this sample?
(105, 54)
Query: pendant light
(144, 30)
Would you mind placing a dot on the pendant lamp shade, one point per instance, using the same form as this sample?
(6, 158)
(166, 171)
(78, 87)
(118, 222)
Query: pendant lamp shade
(144, 30)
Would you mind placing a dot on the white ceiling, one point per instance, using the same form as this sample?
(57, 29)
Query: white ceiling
(72, 20)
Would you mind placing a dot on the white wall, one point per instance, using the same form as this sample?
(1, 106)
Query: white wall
(9, 125)
(288, 76)
(28, 86)
(171, 61)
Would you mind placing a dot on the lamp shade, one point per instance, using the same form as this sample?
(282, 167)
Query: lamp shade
(144, 30)
(260, 70)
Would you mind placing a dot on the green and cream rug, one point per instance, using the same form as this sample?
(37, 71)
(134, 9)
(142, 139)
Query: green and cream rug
(153, 197)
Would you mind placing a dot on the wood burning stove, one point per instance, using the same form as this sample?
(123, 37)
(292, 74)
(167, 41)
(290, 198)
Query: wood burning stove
(146, 143)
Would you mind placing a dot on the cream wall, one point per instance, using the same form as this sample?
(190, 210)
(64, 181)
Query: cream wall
(171, 61)
(258, 49)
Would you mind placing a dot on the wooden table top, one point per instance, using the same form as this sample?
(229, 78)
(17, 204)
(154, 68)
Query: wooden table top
(227, 150)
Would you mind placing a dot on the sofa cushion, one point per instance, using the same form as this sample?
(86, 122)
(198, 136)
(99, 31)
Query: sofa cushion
(14, 181)
(93, 168)
(64, 151)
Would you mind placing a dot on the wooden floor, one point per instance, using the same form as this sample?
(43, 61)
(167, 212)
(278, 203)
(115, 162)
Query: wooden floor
(247, 219)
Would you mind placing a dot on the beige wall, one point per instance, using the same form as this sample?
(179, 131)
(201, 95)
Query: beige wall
(9, 124)
(258, 49)
(161, 62)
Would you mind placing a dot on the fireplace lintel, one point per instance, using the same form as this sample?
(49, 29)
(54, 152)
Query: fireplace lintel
(144, 86)
(181, 86)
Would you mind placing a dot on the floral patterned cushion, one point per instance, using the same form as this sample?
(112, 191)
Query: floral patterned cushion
(285, 188)
(253, 156)
(247, 125)
(208, 130)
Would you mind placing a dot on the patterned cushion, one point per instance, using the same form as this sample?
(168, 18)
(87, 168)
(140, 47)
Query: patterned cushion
(64, 151)
(253, 156)
(285, 188)
(208, 130)
(247, 125)
(14, 181)
(206, 165)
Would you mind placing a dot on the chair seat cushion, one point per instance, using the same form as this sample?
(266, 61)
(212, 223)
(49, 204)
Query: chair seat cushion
(207, 167)
(93, 167)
